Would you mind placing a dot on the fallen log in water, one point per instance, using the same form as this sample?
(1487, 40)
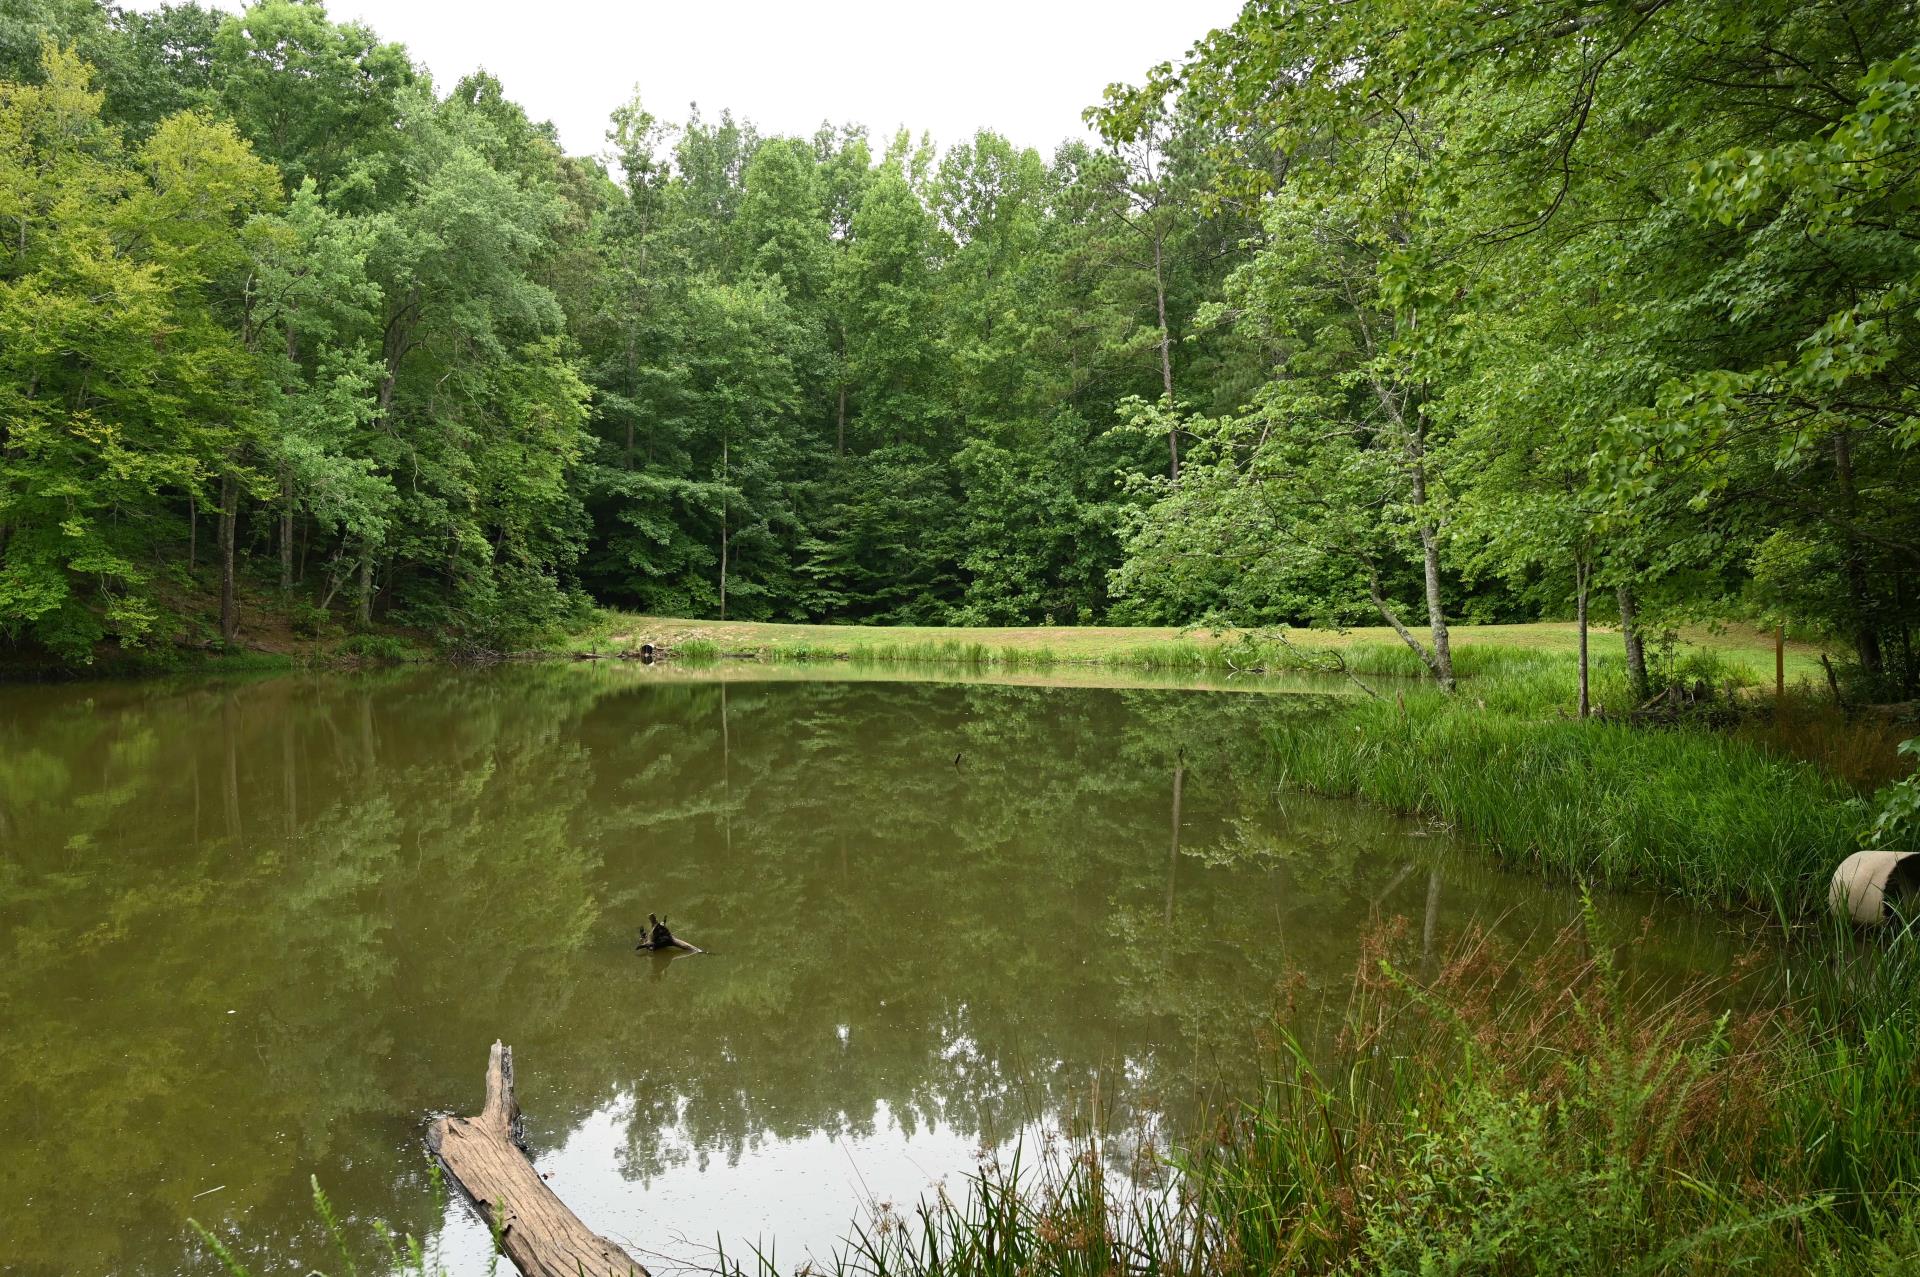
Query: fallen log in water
(536, 1230)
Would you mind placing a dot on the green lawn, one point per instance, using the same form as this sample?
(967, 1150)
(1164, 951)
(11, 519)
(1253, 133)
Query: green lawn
(1110, 644)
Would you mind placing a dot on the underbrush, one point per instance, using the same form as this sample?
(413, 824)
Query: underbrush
(378, 649)
(1861, 749)
(1246, 654)
(1200, 651)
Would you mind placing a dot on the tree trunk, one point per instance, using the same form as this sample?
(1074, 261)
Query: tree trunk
(1909, 677)
(840, 423)
(286, 484)
(1583, 579)
(365, 606)
(286, 529)
(723, 530)
(1779, 662)
(1393, 618)
(1636, 645)
(229, 516)
(1166, 352)
(626, 460)
(537, 1232)
(1442, 663)
(193, 531)
(1866, 640)
(660, 938)
(1436, 612)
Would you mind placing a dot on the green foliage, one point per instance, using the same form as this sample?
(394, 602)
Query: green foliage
(835, 387)
(121, 386)
(1644, 272)
(377, 649)
(372, 369)
(1896, 809)
(1362, 309)
(306, 620)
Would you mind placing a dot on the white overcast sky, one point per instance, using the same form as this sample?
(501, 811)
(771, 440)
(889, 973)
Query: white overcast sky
(1025, 68)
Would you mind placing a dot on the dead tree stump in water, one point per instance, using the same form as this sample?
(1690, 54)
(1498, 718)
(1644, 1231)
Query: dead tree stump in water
(658, 938)
(536, 1230)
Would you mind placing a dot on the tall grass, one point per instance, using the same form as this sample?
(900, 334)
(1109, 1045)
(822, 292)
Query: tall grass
(1243, 655)
(1248, 652)
(393, 1255)
(1863, 750)
(1688, 811)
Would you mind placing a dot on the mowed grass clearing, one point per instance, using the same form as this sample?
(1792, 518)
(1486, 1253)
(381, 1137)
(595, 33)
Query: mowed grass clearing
(1130, 645)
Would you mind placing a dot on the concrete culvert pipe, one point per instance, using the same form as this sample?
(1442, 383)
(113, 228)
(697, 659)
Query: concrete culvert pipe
(1871, 887)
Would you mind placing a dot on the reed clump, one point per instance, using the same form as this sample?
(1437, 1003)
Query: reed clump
(1692, 812)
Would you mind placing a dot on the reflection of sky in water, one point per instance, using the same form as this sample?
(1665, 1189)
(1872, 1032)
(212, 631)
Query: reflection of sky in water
(795, 1195)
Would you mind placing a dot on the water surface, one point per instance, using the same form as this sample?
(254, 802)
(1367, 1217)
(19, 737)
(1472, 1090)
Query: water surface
(261, 930)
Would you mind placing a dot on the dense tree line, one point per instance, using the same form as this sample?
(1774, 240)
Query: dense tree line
(277, 311)
(1563, 298)
(1364, 311)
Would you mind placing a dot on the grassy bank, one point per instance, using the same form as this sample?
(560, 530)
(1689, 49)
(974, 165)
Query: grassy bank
(1374, 650)
(1690, 811)
(278, 633)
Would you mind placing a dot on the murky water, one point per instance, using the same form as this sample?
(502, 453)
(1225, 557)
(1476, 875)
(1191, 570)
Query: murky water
(256, 931)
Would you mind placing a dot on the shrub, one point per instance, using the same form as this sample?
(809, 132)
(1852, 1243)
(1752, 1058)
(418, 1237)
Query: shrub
(378, 649)
(307, 620)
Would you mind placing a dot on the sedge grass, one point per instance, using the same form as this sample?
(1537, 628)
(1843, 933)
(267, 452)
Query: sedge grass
(1688, 811)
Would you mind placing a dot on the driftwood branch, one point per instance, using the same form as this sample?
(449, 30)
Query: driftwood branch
(1335, 661)
(536, 1230)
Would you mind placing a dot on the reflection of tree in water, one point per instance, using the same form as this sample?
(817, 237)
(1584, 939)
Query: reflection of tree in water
(953, 921)
(216, 950)
(376, 876)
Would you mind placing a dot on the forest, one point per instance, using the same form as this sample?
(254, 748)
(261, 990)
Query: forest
(1360, 312)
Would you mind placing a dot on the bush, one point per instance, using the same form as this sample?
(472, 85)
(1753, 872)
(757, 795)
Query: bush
(1896, 809)
(378, 649)
(306, 620)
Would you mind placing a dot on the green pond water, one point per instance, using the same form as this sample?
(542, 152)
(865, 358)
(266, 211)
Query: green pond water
(257, 930)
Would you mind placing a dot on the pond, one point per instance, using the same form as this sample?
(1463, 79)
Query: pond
(260, 930)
